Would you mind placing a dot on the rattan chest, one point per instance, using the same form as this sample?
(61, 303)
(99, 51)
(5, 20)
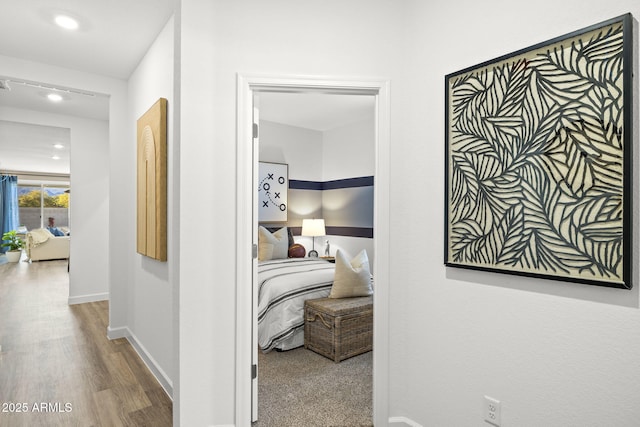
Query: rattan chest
(339, 328)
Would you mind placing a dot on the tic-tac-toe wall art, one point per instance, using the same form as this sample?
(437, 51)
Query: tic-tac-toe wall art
(538, 160)
(273, 187)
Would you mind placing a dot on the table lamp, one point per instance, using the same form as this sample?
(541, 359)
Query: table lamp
(313, 228)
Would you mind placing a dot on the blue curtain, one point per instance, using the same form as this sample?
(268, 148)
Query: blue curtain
(9, 214)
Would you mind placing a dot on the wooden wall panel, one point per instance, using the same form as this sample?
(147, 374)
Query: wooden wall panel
(152, 182)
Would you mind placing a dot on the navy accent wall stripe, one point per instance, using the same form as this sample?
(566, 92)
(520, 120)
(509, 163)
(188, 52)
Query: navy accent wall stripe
(341, 231)
(349, 231)
(295, 184)
(354, 195)
(363, 181)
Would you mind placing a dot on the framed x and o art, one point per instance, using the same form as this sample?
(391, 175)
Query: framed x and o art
(538, 160)
(273, 191)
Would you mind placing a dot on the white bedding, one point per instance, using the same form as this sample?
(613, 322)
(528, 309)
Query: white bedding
(283, 286)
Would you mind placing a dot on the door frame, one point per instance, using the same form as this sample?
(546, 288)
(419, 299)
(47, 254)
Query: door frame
(247, 85)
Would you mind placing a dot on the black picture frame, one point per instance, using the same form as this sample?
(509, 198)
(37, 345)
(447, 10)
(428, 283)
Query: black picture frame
(538, 160)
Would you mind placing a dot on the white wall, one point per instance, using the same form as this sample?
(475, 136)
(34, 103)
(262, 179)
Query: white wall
(344, 152)
(148, 294)
(349, 151)
(89, 207)
(298, 147)
(220, 39)
(113, 229)
(554, 353)
(89, 277)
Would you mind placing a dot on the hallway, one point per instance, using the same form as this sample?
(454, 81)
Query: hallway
(57, 367)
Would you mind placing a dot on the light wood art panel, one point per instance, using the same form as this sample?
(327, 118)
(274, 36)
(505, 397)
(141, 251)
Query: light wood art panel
(152, 182)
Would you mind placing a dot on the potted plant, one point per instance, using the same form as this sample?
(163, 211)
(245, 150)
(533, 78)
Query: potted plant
(14, 245)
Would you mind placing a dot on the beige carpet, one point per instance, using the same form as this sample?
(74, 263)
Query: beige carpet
(300, 388)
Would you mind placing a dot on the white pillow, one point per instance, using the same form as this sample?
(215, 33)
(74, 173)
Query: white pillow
(272, 245)
(352, 279)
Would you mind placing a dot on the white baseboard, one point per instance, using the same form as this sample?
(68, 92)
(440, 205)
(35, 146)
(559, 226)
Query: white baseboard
(403, 421)
(81, 299)
(156, 370)
(115, 333)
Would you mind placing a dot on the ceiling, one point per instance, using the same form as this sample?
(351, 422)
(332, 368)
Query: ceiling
(31, 148)
(316, 111)
(112, 38)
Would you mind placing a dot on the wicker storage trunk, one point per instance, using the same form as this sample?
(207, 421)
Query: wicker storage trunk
(339, 328)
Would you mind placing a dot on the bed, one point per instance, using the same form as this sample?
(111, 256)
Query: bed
(283, 286)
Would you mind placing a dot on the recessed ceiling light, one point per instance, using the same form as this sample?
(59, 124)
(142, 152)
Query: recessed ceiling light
(54, 97)
(55, 157)
(58, 146)
(66, 22)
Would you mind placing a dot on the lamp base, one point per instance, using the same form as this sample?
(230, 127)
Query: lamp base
(313, 254)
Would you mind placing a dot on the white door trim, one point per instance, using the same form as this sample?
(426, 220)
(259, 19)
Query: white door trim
(246, 85)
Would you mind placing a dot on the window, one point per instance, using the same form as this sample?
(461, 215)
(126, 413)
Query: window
(39, 202)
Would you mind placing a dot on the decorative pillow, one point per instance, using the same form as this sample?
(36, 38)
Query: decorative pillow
(352, 279)
(272, 245)
(289, 233)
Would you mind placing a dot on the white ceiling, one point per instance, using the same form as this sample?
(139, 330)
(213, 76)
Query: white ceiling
(30, 148)
(30, 95)
(113, 37)
(315, 111)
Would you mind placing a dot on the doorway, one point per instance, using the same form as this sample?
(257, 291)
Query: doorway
(246, 264)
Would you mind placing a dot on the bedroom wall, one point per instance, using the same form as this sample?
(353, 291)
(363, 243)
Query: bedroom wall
(89, 277)
(554, 353)
(301, 149)
(349, 152)
(318, 158)
(149, 291)
(298, 147)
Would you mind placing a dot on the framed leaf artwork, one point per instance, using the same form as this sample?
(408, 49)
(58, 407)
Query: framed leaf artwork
(538, 160)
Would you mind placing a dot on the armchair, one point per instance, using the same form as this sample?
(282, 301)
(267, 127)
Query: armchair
(42, 245)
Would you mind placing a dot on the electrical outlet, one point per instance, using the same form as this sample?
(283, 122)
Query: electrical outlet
(492, 411)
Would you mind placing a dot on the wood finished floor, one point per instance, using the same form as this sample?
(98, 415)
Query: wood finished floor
(57, 355)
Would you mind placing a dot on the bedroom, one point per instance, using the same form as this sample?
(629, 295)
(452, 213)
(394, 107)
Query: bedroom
(327, 143)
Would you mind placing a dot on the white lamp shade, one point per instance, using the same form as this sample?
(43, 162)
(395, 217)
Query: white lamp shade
(313, 227)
